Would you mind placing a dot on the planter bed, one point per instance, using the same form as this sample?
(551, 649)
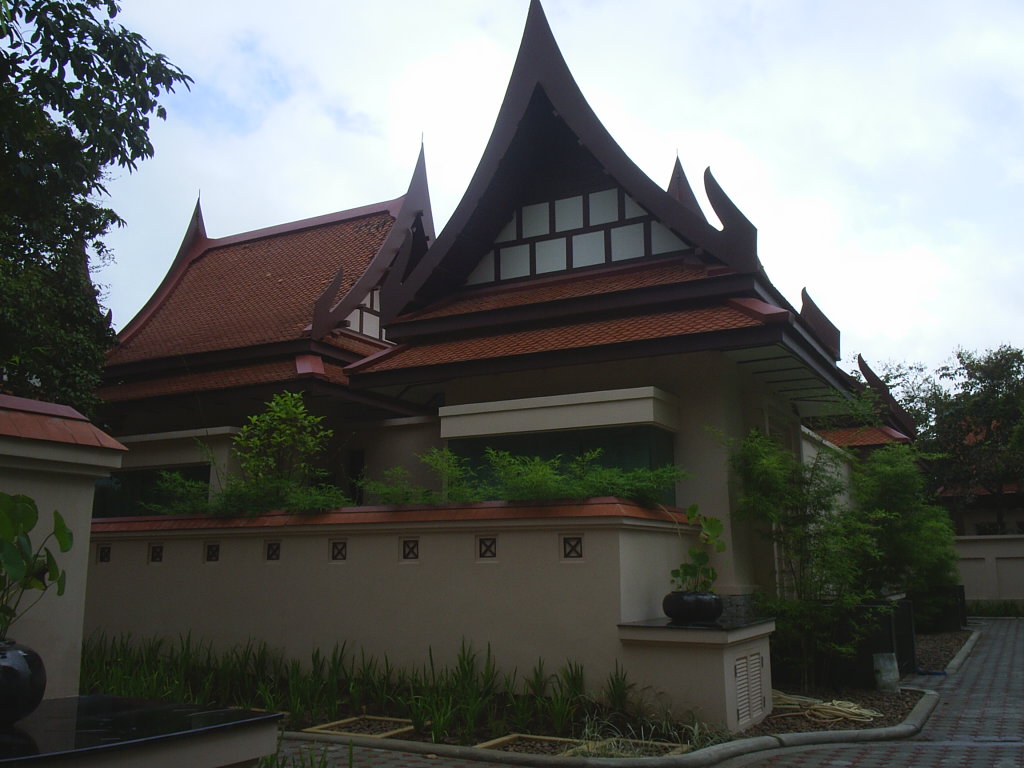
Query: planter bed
(535, 745)
(366, 725)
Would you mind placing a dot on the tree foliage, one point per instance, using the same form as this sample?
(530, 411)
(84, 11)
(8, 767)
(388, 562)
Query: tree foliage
(512, 477)
(971, 418)
(836, 557)
(77, 92)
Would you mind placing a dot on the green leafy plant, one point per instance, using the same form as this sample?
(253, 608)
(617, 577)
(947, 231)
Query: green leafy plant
(510, 477)
(698, 575)
(278, 451)
(26, 567)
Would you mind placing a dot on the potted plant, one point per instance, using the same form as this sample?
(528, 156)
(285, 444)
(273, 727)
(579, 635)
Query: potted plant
(24, 568)
(692, 600)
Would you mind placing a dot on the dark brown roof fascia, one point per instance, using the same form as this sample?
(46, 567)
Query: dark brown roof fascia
(540, 64)
(898, 416)
(224, 358)
(715, 340)
(652, 298)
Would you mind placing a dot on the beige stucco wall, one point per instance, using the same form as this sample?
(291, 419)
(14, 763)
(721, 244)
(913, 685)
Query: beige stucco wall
(991, 567)
(397, 442)
(61, 477)
(715, 403)
(528, 603)
(179, 448)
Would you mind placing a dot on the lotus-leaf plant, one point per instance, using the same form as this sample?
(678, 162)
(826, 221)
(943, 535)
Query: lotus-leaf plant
(698, 575)
(26, 567)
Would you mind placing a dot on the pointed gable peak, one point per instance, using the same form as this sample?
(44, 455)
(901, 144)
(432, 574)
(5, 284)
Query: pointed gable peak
(548, 148)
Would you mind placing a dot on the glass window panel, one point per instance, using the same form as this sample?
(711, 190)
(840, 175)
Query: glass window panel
(536, 220)
(628, 242)
(633, 208)
(515, 261)
(550, 255)
(604, 206)
(508, 232)
(569, 214)
(371, 325)
(664, 239)
(588, 249)
(484, 272)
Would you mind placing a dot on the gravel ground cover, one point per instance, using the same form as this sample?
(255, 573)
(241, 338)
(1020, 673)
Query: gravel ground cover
(934, 652)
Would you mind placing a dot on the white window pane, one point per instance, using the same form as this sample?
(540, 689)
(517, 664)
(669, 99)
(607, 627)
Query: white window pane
(628, 242)
(484, 272)
(664, 239)
(371, 325)
(352, 321)
(569, 214)
(604, 206)
(536, 220)
(588, 249)
(508, 232)
(515, 261)
(550, 255)
(633, 208)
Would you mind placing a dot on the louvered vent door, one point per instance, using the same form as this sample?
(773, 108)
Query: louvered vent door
(750, 701)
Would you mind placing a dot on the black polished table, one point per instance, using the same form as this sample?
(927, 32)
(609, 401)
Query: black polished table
(87, 731)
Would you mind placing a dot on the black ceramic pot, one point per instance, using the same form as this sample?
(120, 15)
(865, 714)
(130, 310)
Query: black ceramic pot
(22, 681)
(692, 607)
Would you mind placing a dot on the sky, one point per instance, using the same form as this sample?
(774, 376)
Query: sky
(878, 147)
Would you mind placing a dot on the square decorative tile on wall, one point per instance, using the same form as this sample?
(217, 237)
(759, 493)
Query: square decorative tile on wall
(339, 550)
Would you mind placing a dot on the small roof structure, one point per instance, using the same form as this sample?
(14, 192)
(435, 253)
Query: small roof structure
(27, 419)
(268, 307)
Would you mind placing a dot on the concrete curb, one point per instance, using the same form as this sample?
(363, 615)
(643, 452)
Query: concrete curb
(701, 758)
(964, 652)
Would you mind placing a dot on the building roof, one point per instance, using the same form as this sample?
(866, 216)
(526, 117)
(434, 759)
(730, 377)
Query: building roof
(223, 378)
(35, 420)
(253, 289)
(546, 123)
(863, 437)
(582, 334)
(457, 309)
(243, 309)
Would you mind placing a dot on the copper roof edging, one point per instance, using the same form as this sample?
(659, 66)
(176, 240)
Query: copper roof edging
(600, 507)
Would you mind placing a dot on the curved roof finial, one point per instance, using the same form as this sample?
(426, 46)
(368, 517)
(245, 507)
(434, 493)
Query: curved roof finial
(679, 188)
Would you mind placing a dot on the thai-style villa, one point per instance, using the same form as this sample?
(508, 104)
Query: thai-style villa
(570, 303)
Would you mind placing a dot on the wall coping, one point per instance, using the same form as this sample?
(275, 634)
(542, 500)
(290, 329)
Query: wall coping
(596, 508)
(662, 632)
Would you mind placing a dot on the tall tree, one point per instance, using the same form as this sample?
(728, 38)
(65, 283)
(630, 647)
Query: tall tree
(76, 95)
(975, 428)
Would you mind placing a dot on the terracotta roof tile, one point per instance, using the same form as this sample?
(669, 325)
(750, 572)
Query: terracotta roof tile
(255, 291)
(857, 437)
(25, 419)
(564, 337)
(225, 378)
(565, 287)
